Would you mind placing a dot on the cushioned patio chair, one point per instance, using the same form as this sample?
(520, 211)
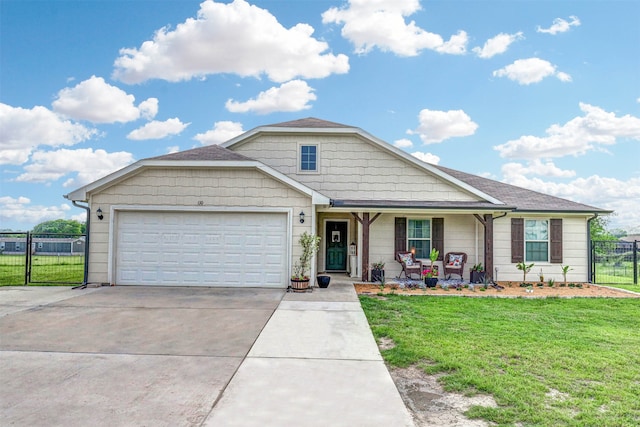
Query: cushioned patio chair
(409, 264)
(454, 263)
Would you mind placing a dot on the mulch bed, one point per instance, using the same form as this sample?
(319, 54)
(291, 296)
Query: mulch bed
(509, 290)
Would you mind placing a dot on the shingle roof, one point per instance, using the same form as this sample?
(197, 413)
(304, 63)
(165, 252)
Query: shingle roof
(209, 152)
(524, 199)
(309, 122)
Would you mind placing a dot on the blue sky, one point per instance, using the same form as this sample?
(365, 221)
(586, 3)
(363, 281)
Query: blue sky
(540, 94)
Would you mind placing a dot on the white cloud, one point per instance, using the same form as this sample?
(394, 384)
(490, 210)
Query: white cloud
(173, 149)
(623, 197)
(560, 26)
(530, 70)
(403, 143)
(426, 157)
(381, 23)
(576, 137)
(87, 164)
(497, 45)
(22, 130)
(221, 132)
(21, 211)
(149, 108)
(289, 97)
(436, 126)
(96, 101)
(536, 167)
(158, 130)
(234, 38)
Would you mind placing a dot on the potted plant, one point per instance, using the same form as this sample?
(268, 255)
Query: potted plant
(430, 276)
(299, 279)
(477, 273)
(377, 271)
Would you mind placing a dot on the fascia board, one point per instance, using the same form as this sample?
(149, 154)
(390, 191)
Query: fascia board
(365, 135)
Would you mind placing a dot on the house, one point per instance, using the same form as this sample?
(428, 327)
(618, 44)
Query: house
(231, 215)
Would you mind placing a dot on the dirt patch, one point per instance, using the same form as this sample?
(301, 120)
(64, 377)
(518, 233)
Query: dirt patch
(430, 405)
(509, 291)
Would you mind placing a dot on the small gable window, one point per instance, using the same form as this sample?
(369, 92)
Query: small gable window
(308, 158)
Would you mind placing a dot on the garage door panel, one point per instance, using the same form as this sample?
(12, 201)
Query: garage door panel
(202, 249)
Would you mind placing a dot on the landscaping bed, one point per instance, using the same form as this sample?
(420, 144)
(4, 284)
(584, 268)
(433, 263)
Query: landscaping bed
(509, 290)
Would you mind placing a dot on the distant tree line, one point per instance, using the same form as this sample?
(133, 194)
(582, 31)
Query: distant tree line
(58, 226)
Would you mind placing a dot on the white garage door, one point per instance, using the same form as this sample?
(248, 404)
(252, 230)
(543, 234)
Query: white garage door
(201, 249)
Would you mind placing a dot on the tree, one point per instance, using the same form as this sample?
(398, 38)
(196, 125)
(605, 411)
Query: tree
(598, 230)
(60, 226)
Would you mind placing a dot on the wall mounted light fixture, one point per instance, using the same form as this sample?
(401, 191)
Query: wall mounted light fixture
(301, 217)
(99, 213)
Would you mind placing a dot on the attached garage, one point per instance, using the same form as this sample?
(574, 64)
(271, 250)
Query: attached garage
(177, 248)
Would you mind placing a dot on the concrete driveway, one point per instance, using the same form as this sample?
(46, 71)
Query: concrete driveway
(120, 356)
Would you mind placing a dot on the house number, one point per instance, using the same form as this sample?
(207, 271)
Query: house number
(200, 203)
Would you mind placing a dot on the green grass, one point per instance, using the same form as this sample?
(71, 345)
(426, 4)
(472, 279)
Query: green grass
(519, 350)
(45, 269)
(609, 274)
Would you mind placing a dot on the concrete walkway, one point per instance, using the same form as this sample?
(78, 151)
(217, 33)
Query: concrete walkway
(315, 363)
(158, 356)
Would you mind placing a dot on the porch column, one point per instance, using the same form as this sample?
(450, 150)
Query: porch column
(487, 223)
(365, 221)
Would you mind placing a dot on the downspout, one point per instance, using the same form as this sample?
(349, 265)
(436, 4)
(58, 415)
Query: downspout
(590, 249)
(86, 245)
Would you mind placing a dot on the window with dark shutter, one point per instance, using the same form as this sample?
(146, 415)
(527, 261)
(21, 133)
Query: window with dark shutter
(400, 235)
(556, 240)
(437, 236)
(517, 240)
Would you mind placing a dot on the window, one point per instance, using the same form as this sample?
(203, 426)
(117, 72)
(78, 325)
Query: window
(536, 237)
(308, 158)
(419, 236)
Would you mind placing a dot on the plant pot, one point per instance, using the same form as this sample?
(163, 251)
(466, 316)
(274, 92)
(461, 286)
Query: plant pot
(323, 281)
(477, 276)
(431, 282)
(300, 285)
(377, 275)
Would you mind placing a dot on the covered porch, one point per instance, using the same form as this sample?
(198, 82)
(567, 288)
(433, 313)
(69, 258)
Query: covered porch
(354, 237)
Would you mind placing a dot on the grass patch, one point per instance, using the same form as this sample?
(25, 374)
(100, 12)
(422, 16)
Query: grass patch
(45, 270)
(547, 362)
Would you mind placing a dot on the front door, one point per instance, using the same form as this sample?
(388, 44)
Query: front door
(336, 243)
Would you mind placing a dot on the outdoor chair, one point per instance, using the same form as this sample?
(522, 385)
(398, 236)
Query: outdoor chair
(409, 264)
(454, 264)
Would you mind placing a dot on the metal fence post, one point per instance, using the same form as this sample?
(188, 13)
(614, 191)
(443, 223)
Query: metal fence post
(635, 262)
(27, 260)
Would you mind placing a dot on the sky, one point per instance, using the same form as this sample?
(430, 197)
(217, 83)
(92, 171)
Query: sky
(541, 94)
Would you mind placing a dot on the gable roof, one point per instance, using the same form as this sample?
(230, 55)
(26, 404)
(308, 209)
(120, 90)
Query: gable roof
(494, 194)
(312, 125)
(211, 156)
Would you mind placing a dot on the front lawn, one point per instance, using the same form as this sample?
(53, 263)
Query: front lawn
(547, 362)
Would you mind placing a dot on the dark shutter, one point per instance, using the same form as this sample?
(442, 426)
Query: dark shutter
(400, 235)
(437, 236)
(517, 240)
(556, 241)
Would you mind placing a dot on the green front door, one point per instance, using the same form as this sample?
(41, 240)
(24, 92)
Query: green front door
(336, 243)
